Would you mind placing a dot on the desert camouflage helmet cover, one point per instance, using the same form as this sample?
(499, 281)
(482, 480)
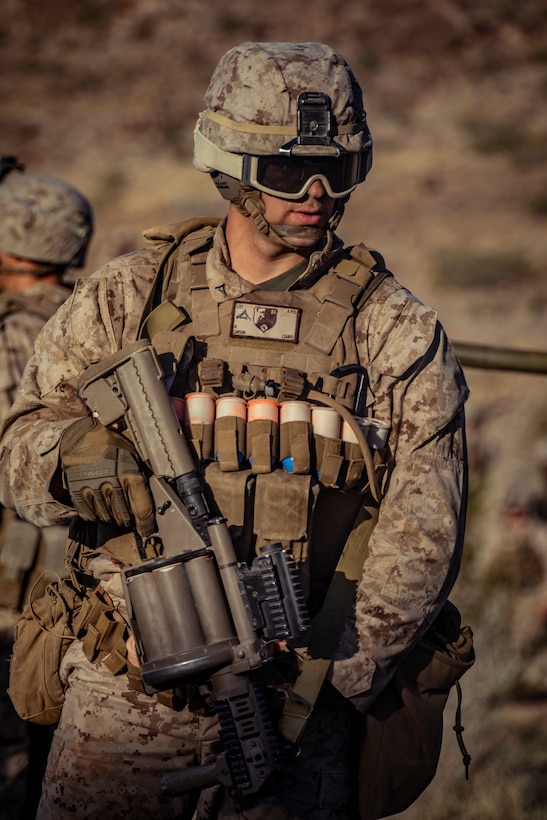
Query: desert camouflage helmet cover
(44, 219)
(252, 100)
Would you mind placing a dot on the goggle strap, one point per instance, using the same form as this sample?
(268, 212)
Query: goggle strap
(217, 159)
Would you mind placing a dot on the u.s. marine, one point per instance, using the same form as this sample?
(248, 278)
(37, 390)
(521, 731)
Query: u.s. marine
(284, 136)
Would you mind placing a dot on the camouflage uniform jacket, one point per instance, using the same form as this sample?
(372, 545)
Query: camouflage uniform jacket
(415, 382)
(23, 550)
(22, 316)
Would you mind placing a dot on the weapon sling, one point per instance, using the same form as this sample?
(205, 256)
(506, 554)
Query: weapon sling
(328, 624)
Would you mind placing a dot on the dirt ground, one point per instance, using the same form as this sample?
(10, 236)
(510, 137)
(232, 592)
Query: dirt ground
(106, 95)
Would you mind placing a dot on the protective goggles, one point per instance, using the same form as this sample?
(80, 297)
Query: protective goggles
(290, 177)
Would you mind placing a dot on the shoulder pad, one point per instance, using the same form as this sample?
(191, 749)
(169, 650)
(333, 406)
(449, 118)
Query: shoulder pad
(177, 231)
(366, 257)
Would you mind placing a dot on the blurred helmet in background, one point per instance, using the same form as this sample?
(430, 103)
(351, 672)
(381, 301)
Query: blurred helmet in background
(44, 219)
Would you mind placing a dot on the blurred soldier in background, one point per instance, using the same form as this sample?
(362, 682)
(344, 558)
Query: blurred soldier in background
(45, 228)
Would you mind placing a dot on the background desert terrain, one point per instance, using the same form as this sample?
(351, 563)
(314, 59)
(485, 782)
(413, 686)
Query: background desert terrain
(105, 94)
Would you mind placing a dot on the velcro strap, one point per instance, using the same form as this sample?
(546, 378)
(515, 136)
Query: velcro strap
(354, 471)
(166, 316)
(108, 630)
(333, 385)
(90, 640)
(350, 266)
(103, 636)
(363, 255)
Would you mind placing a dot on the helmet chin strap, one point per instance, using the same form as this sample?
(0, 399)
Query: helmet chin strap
(36, 272)
(249, 202)
(303, 232)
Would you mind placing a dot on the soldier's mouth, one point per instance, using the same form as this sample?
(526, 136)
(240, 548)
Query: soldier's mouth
(309, 217)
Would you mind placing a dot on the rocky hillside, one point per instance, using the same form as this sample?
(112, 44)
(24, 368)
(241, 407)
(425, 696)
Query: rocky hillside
(106, 94)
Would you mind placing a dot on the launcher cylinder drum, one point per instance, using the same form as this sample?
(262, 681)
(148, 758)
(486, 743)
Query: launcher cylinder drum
(180, 618)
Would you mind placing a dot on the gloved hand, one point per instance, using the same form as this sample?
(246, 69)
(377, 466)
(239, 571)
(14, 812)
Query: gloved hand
(104, 477)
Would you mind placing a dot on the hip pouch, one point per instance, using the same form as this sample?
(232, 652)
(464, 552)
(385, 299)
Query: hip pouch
(43, 635)
(402, 732)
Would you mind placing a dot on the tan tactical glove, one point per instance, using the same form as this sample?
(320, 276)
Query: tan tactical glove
(104, 477)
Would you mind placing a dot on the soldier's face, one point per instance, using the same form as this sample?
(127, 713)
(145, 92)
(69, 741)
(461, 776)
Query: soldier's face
(9, 280)
(18, 274)
(313, 210)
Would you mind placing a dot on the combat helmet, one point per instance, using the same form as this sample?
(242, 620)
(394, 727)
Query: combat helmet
(279, 116)
(44, 219)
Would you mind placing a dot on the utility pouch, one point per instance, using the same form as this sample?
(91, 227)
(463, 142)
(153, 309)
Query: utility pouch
(200, 437)
(341, 463)
(294, 447)
(328, 459)
(230, 442)
(262, 444)
(282, 511)
(354, 464)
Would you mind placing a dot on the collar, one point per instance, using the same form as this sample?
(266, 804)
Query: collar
(224, 283)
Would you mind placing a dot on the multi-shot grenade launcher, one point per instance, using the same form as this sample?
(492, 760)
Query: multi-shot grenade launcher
(198, 615)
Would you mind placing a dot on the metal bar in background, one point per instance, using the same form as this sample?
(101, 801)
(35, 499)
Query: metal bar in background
(501, 358)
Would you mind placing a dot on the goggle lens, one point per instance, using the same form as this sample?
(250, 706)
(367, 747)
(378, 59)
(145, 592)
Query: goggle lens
(293, 175)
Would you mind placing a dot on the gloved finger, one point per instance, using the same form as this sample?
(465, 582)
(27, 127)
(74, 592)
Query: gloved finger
(94, 499)
(84, 509)
(141, 503)
(116, 503)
